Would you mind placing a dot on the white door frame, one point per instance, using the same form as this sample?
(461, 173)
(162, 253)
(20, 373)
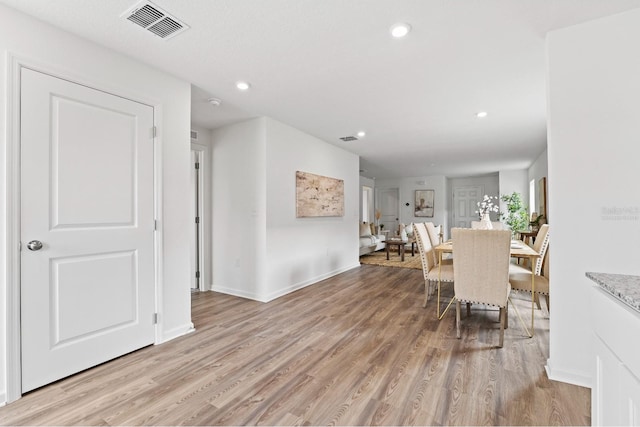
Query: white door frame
(12, 203)
(202, 211)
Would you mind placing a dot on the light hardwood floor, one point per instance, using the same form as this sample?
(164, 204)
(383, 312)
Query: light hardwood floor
(356, 349)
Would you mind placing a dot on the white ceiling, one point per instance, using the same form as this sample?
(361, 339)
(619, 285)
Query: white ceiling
(330, 69)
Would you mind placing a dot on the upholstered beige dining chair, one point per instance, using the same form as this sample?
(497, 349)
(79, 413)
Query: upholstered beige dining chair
(430, 270)
(435, 237)
(481, 271)
(522, 282)
(540, 246)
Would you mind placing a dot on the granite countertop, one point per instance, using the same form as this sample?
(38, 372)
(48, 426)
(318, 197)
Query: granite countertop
(623, 287)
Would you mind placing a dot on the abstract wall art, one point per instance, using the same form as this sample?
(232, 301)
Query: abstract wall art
(318, 195)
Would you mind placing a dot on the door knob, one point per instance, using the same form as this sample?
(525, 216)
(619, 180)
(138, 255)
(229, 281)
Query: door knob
(34, 245)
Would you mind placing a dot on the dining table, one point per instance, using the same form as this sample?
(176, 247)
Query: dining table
(518, 249)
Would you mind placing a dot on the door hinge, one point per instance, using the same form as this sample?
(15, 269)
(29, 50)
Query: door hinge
(197, 274)
(19, 246)
(155, 225)
(155, 318)
(197, 165)
(197, 220)
(154, 132)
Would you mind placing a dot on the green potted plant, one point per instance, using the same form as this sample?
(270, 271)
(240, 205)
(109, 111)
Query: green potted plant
(536, 222)
(516, 216)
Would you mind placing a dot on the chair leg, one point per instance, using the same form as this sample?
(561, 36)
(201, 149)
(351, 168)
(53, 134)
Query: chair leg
(468, 309)
(426, 293)
(506, 315)
(458, 318)
(502, 322)
(546, 298)
(537, 299)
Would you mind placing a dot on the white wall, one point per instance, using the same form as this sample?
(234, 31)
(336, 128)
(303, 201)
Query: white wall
(49, 49)
(593, 133)
(302, 251)
(239, 209)
(260, 249)
(407, 188)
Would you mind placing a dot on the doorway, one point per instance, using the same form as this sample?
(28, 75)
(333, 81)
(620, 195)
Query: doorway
(388, 201)
(196, 251)
(465, 201)
(367, 214)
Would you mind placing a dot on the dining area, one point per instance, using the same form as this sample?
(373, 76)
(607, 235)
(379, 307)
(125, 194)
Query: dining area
(484, 268)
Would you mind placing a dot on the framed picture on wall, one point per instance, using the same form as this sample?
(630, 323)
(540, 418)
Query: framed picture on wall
(424, 203)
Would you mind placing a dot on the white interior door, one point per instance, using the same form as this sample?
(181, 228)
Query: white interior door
(88, 294)
(388, 203)
(197, 235)
(465, 201)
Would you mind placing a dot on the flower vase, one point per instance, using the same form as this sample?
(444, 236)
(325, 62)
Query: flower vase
(485, 222)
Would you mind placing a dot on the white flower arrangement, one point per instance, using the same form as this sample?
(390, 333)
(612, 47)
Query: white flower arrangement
(487, 205)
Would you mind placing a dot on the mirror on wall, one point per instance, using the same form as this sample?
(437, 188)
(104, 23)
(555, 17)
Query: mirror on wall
(542, 196)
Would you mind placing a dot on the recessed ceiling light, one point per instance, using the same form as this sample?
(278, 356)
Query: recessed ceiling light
(361, 134)
(481, 114)
(243, 85)
(400, 30)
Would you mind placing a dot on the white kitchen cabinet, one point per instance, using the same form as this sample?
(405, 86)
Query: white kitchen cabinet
(615, 396)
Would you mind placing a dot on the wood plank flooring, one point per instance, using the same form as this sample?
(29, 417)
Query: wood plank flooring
(356, 349)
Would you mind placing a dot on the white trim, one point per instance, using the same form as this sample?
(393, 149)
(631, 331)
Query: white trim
(159, 234)
(203, 191)
(568, 376)
(177, 332)
(235, 292)
(12, 200)
(284, 291)
(281, 292)
(12, 226)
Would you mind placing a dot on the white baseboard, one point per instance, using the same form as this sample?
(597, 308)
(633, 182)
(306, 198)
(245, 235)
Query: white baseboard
(235, 292)
(176, 332)
(304, 284)
(281, 292)
(3, 399)
(567, 376)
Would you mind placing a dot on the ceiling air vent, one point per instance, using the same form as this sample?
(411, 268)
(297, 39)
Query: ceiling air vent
(194, 135)
(348, 138)
(152, 18)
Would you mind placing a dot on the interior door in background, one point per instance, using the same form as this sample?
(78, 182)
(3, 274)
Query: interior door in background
(465, 201)
(87, 227)
(389, 205)
(196, 210)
